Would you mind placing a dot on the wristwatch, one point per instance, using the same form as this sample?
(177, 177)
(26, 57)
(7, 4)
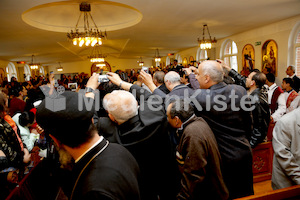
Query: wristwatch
(88, 89)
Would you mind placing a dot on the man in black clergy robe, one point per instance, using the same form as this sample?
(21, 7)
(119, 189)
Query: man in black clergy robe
(143, 130)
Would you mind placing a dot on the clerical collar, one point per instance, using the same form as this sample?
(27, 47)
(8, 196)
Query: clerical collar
(100, 140)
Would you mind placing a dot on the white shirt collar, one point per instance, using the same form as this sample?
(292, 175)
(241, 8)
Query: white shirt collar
(272, 87)
(100, 140)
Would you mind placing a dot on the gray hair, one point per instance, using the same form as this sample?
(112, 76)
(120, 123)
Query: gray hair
(159, 77)
(121, 104)
(172, 77)
(293, 68)
(214, 70)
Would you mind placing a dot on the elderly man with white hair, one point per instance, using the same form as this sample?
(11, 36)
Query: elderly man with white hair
(221, 107)
(143, 129)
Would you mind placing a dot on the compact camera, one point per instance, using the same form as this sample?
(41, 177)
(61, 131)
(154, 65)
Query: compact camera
(103, 78)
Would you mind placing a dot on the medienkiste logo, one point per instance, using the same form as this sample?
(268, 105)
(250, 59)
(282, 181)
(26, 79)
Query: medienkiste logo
(54, 100)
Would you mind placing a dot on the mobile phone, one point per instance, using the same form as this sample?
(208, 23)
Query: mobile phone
(103, 78)
(145, 69)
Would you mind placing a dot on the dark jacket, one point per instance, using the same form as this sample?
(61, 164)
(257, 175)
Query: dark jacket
(146, 137)
(260, 114)
(113, 174)
(296, 80)
(10, 145)
(238, 79)
(164, 88)
(199, 162)
(261, 117)
(178, 91)
(231, 127)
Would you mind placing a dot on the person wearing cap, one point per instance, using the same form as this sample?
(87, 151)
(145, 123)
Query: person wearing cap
(101, 170)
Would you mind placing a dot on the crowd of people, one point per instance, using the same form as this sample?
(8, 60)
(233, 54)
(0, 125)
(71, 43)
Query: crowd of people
(177, 133)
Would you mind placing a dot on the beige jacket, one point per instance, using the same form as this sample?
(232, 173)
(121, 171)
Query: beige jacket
(286, 145)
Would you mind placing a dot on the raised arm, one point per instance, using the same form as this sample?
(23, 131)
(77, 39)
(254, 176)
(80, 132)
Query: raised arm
(192, 77)
(238, 79)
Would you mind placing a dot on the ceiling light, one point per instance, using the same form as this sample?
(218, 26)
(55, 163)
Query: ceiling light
(141, 63)
(60, 68)
(206, 43)
(157, 57)
(97, 56)
(33, 65)
(90, 36)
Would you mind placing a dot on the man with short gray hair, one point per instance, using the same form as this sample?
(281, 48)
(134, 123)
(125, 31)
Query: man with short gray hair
(230, 125)
(290, 71)
(120, 111)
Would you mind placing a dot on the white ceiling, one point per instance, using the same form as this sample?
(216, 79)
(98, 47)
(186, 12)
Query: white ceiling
(169, 25)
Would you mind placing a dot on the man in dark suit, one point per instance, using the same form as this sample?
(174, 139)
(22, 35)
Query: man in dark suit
(101, 170)
(290, 71)
(231, 127)
(143, 130)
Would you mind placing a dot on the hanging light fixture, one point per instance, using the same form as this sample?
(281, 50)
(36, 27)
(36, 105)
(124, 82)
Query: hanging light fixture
(157, 57)
(89, 36)
(60, 68)
(97, 56)
(33, 65)
(141, 63)
(206, 43)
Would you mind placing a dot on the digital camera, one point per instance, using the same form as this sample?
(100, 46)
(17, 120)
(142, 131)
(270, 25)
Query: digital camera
(103, 78)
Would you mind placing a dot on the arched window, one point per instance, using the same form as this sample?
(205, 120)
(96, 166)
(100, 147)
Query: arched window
(229, 54)
(11, 71)
(42, 71)
(27, 72)
(201, 55)
(178, 58)
(168, 62)
(297, 52)
(294, 48)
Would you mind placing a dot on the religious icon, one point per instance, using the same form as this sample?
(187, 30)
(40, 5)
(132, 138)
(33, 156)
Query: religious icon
(248, 59)
(269, 57)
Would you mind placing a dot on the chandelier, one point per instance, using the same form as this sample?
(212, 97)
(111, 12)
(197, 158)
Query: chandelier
(141, 63)
(33, 65)
(89, 36)
(60, 68)
(157, 57)
(206, 43)
(97, 56)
